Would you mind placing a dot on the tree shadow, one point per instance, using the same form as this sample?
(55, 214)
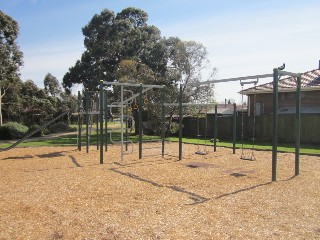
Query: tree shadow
(74, 161)
(197, 199)
(51, 155)
(18, 158)
(144, 163)
(242, 190)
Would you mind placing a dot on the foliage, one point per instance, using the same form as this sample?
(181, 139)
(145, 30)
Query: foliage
(123, 47)
(61, 127)
(40, 133)
(10, 57)
(51, 85)
(4, 133)
(110, 39)
(15, 130)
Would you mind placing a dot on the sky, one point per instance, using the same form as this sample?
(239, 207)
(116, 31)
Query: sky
(242, 37)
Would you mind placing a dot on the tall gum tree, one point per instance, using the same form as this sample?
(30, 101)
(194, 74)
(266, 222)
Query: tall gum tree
(10, 56)
(110, 38)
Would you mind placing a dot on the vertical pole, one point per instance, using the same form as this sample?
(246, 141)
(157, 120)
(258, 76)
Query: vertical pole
(101, 98)
(298, 126)
(163, 121)
(215, 127)
(79, 121)
(127, 119)
(234, 128)
(97, 120)
(140, 121)
(275, 124)
(180, 122)
(87, 119)
(121, 123)
(106, 119)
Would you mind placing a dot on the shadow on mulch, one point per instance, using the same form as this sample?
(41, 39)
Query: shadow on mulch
(197, 199)
(18, 158)
(51, 155)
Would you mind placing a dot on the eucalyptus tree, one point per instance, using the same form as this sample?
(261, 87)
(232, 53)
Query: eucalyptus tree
(110, 38)
(10, 57)
(51, 85)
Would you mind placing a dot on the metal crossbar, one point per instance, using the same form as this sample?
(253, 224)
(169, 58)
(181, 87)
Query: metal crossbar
(132, 85)
(230, 79)
(283, 73)
(190, 104)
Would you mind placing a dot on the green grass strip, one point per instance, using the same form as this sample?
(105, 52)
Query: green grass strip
(282, 147)
(71, 140)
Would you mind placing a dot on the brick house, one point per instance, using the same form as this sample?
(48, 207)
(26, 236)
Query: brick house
(262, 95)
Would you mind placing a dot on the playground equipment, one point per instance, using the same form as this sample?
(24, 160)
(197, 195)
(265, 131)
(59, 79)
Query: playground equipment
(243, 156)
(124, 105)
(204, 151)
(276, 75)
(199, 106)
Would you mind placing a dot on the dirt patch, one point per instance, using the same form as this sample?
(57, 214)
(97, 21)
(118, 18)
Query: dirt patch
(61, 193)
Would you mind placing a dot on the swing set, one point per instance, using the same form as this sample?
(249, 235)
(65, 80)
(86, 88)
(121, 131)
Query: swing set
(252, 156)
(276, 75)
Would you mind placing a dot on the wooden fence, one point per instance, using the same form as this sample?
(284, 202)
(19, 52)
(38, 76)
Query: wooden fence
(310, 127)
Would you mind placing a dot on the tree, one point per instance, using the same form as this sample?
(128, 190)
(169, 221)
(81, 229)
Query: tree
(188, 64)
(123, 47)
(10, 56)
(110, 39)
(51, 85)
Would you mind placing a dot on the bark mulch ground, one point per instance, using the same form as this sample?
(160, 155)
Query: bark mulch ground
(61, 193)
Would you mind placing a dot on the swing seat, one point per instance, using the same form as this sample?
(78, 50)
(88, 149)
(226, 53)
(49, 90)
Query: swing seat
(247, 158)
(201, 153)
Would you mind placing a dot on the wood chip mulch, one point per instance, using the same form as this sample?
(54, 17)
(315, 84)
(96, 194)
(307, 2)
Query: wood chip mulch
(61, 193)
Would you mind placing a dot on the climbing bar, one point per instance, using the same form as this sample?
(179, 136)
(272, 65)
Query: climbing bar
(250, 82)
(283, 73)
(132, 84)
(229, 80)
(191, 104)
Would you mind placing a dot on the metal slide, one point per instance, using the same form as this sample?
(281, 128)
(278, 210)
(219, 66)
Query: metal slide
(33, 132)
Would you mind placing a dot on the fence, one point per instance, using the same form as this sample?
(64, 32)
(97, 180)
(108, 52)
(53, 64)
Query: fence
(310, 127)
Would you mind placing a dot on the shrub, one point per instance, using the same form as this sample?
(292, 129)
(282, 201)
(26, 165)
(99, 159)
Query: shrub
(60, 127)
(16, 130)
(4, 133)
(33, 128)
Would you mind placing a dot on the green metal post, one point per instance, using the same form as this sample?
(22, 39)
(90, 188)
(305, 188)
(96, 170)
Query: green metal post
(275, 124)
(87, 119)
(101, 120)
(97, 120)
(180, 122)
(234, 128)
(106, 119)
(215, 127)
(140, 120)
(127, 119)
(298, 126)
(79, 122)
(163, 120)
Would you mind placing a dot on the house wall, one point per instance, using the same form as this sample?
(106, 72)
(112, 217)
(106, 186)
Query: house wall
(286, 99)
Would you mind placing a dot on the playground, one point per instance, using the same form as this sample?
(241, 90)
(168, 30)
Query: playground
(63, 193)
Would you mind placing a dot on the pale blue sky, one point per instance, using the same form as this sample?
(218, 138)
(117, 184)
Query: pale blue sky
(243, 37)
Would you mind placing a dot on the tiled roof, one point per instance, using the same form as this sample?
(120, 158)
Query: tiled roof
(308, 80)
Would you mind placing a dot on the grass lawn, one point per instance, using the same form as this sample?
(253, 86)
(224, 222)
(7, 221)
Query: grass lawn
(282, 147)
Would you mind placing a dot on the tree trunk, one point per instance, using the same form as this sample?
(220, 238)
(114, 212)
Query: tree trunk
(1, 106)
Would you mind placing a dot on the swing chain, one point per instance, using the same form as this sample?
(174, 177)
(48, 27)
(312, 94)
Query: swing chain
(254, 122)
(242, 125)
